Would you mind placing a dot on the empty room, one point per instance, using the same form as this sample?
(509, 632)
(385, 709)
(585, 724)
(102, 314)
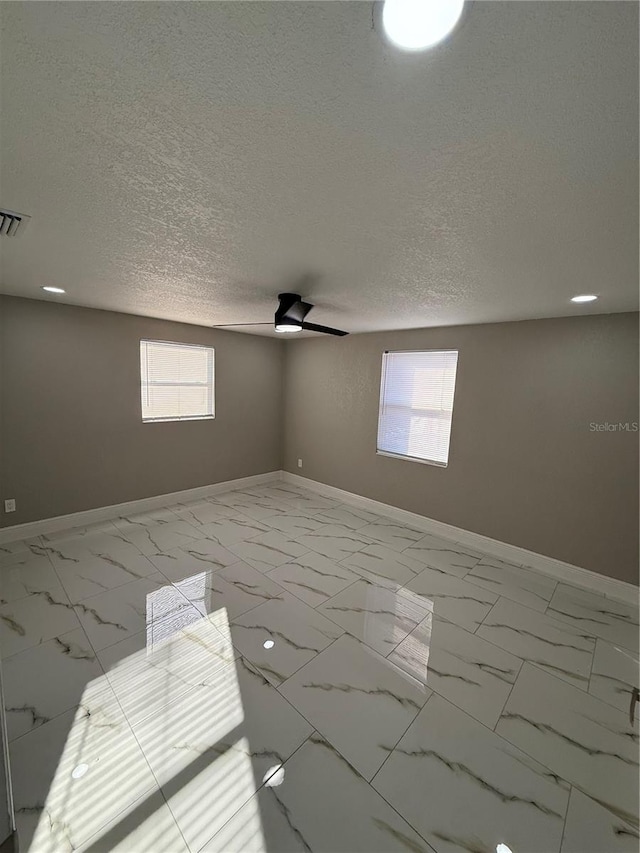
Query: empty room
(319, 412)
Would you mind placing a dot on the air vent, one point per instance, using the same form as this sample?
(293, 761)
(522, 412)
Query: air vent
(11, 223)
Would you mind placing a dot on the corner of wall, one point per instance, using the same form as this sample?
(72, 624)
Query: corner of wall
(287, 347)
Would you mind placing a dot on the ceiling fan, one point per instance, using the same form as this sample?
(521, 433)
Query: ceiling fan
(289, 317)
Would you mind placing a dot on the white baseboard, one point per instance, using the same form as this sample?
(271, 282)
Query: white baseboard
(559, 570)
(104, 513)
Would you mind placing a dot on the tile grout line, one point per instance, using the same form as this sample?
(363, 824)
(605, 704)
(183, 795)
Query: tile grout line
(142, 752)
(263, 784)
(502, 594)
(537, 612)
(527, 660)
(506, 701)
(566, 815)
(300, 668)
(519, 748)
(324, 737)
(331, 597)
(593, 659)
(380, 794)
(492, 642)
(511, 745)
(393, 748)
(502, 737)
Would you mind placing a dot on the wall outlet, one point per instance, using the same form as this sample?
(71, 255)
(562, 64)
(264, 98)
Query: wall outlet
(10, 505)
(299, 463)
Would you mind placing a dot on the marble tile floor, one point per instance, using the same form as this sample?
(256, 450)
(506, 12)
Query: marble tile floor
(268, 669)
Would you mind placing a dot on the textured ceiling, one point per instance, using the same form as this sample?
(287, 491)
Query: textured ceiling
(190, 160)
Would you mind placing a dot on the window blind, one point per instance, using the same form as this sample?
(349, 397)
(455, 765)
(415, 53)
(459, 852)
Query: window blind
(416, 404)
(176, 381)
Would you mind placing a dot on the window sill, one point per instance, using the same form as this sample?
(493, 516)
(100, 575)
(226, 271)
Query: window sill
(175, 420)
(412, 459)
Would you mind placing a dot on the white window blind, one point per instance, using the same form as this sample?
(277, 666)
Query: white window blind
(176, 381)
(416, 404)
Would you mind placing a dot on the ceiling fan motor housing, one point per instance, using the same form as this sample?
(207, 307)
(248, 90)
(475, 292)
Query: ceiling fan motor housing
(291, 309)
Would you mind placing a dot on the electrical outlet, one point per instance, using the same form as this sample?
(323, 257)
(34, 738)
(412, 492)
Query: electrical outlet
(10, 505)
(299, 463)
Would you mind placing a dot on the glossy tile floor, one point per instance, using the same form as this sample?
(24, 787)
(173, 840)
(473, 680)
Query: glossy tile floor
(270, 670)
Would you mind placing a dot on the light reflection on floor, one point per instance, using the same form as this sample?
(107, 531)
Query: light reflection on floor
(169, 649)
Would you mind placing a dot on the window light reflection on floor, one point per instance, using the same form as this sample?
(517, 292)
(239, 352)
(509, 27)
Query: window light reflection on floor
(392, 616)
(102, 784)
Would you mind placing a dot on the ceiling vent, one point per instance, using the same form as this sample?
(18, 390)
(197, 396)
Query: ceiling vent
(11, 223)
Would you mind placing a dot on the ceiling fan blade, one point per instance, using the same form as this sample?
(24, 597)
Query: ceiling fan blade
(327, 330)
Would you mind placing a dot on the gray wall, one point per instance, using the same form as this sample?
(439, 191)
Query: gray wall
(72, 434)
(524, 467)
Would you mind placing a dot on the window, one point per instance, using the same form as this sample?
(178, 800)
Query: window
(176, 381)
(416, 405)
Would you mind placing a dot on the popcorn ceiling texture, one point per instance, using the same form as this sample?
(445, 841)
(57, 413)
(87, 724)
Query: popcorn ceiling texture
(187, 161)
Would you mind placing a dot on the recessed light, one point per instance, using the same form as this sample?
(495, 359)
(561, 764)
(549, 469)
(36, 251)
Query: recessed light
(54, 290)
(419, 24)
(584, 297)
(268, 644)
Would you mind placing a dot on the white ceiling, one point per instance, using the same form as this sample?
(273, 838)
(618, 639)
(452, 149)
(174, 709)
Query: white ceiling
(190, 160)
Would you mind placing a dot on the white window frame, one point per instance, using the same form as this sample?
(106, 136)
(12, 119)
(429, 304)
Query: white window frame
(403, 456)
(209, 384)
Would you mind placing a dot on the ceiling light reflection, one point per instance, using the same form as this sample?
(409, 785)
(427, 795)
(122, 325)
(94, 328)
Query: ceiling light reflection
(274, 777)
(419, 24)
(79, 771)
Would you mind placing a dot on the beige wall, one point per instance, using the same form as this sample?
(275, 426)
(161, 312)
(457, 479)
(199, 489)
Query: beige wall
(524, 466)
(71, 432)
